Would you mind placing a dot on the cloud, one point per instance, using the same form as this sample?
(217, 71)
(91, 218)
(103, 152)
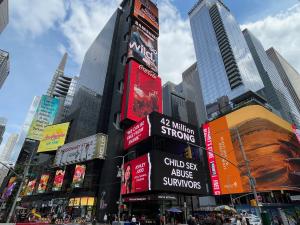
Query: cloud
(36, 17)
(175, 46)
(282, 32)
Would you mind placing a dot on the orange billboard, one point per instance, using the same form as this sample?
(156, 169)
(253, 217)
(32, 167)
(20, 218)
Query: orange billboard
(147, 12)
(270, 145)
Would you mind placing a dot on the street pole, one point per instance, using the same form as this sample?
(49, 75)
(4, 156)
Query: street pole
(251, 179)
(120, 196)
(26, 169)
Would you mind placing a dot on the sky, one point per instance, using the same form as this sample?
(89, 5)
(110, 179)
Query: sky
(39, 32)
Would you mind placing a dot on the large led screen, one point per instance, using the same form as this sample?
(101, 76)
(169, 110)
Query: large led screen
(58, 180)
(54, 136)
(147, 12)
(269, 142)
(78, 176)
(161, 125)
(160, 171)
(142, 92)
(143, 47)
(43, 117)
(43, 183)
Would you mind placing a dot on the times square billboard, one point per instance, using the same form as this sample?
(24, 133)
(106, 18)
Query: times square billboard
(157, 124)
(163, 172)
(143, 46)
(142, 92)
(270, 144)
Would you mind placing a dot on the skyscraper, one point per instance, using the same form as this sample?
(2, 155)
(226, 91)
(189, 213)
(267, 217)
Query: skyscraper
(225, 65)
(275, 91)
(288, 74)
(8, 148)
(3, 122)
(4, 66)
(3, 14)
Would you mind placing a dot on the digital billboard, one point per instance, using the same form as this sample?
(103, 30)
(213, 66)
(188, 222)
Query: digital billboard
(43, 183)
(78, 176)
(53, 137)
(264, 137)
(9, 189)
(30, 187)
(160, 171)
(143, 47)
(58, 180)
(142, 92)
(92, 147)
(44, 116)
(135, 177)
(147, 12)
(161, 125)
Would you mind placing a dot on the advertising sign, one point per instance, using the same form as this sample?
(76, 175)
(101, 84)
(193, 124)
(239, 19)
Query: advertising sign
(147, 12)
(58, 180)
(176, 174)
(161, 125)
(93, 147)
(78, 176)
(43, 183)
(9, 189)
(265, 137)
(143, 47)
(136, 174)
(30, 187)
(53, 137)
(44, 116)
(160, 171)
(142, 94)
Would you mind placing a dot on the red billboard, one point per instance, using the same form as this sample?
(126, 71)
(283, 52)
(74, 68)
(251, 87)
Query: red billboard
(138, 132)
(135, 177)
(78, 176)
(143, 47)
(43, 183)
(147, 12)
(58, 180)
(142, 92)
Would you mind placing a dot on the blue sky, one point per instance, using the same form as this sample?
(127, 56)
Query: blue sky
(36, 38)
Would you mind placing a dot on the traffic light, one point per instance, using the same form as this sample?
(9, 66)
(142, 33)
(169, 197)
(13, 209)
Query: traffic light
(188, 152)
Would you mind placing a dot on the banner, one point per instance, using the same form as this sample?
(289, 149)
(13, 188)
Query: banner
(9, 189)
(30, 187)
(58, 180)
(142, 92)
(147, 12)
(78, 176)
(93, 147)
(157, 124)
(53, 137)
(143, 47)
(263, 137)
(44, 116)
(43, 183)
(135, 177)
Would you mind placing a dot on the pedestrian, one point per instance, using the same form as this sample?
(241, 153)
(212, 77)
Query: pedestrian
(105, 218)
(133, 220)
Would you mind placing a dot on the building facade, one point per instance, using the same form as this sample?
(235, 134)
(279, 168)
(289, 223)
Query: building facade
(3, 14)
(288, 74)
(4, 66)
(3, 122)
(225, 65)
(275, 91)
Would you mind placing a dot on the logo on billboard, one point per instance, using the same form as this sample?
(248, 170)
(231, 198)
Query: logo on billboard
(143, 48)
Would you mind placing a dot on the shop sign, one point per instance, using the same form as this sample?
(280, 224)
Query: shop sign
(92, 147)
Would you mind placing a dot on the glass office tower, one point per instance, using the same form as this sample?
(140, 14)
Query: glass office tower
(275, 91)
(225, 64)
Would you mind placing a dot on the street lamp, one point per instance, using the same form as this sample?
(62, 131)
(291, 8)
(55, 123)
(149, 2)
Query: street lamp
(122, 172)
